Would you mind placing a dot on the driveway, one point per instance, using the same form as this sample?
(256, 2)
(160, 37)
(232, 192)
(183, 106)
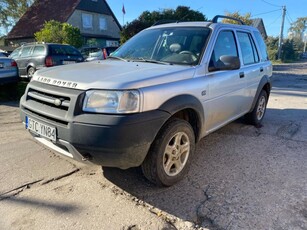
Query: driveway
(242, 177)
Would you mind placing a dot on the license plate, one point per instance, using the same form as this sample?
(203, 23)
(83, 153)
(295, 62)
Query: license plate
(41, 129)
(68, 62)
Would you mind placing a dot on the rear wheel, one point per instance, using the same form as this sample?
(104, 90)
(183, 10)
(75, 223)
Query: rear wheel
(256, 116)
(169, 157)
(30, 72)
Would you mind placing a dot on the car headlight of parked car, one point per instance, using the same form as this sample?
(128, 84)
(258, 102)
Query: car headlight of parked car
(107, 101)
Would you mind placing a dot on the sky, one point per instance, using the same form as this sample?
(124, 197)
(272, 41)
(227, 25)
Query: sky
(269, 10)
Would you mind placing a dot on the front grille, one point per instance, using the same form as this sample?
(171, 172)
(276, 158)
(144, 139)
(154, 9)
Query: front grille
(49, 99)
(53, 103)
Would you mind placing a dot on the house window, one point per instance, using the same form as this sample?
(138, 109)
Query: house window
(102, 23)
(87, 21)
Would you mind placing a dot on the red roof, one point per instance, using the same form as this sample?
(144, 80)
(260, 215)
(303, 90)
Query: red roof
(40, 12)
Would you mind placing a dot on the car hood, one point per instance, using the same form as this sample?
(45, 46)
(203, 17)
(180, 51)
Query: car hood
(112, 74)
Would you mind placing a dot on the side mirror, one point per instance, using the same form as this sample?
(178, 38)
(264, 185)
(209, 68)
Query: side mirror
(225, 63)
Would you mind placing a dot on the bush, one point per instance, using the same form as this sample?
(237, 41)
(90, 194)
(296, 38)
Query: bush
(272, 54)
(57, 32)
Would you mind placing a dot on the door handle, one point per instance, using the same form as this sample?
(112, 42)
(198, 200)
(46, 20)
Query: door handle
(261, 69)
(241, 74)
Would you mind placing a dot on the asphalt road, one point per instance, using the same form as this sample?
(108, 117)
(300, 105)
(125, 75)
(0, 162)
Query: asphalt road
(242, 177)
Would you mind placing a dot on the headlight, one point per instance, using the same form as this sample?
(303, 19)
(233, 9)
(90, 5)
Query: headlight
(101, 101)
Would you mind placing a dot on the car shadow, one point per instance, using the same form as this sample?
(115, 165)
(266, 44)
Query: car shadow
(224, 169)
(184, 198)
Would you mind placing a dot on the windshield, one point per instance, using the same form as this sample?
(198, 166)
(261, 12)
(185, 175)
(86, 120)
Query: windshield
(179, 45)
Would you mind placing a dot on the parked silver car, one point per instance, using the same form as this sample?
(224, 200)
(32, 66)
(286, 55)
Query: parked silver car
(100, 53)
(153, 99)
(8, 70)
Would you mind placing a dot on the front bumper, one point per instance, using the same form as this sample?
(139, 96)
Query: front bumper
(109, 140)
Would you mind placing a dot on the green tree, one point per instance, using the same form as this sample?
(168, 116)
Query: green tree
(147, 19)
(57, 32)
(272, 46)
(11, 11)
(298, 28)
(244, 18)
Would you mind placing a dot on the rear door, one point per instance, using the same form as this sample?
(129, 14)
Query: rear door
(250, 66)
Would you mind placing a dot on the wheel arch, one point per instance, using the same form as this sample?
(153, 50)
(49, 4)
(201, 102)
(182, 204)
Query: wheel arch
(264, 84)
(188, 108)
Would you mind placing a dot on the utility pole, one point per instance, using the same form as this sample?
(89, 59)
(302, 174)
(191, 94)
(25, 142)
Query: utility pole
(281, 31)
(305, 40)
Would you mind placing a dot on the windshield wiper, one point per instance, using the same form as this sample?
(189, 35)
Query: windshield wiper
(151, 61)
(118, 58)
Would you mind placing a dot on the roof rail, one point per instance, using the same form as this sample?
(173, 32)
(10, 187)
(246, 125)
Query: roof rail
(165, 21)
(214, 20)
(31, 43)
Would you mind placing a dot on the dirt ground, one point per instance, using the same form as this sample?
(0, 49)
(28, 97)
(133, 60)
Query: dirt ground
(242, 177)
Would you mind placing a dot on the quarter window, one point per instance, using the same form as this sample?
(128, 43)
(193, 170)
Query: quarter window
(248, 48)
(262, 46)
(38, 50)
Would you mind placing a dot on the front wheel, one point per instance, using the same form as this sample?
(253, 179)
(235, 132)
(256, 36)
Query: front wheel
(256, 116)
(168, 159)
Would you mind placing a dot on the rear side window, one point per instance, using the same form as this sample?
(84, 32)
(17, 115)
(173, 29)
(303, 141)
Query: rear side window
(248, 48)
(262, 46)
(26, 51)
(39, 51)
(225, 45)
(64, 50)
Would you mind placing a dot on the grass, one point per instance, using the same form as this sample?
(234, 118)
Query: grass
(12, 92)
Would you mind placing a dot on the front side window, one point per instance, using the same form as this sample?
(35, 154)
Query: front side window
(225, 45)
(87, 21)
(179, 45)
(248, 48)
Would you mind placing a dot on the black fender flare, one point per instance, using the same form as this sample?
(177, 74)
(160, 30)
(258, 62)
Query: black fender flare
(264, 81)
(182, 102)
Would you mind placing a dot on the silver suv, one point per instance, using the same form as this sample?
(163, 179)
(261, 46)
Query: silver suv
(153, 99)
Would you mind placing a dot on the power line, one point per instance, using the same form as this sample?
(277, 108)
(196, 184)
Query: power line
(265, 12)
(271, 4)
(275, 20)
(290, 17)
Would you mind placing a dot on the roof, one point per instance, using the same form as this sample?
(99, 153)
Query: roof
(59, 10)
(258, 23)
(40, 12)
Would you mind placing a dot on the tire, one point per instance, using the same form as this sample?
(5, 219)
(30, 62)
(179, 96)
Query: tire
(30, 72)
(169, 157)
(256, 116)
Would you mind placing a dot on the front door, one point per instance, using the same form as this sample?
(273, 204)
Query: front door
(226, 97)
